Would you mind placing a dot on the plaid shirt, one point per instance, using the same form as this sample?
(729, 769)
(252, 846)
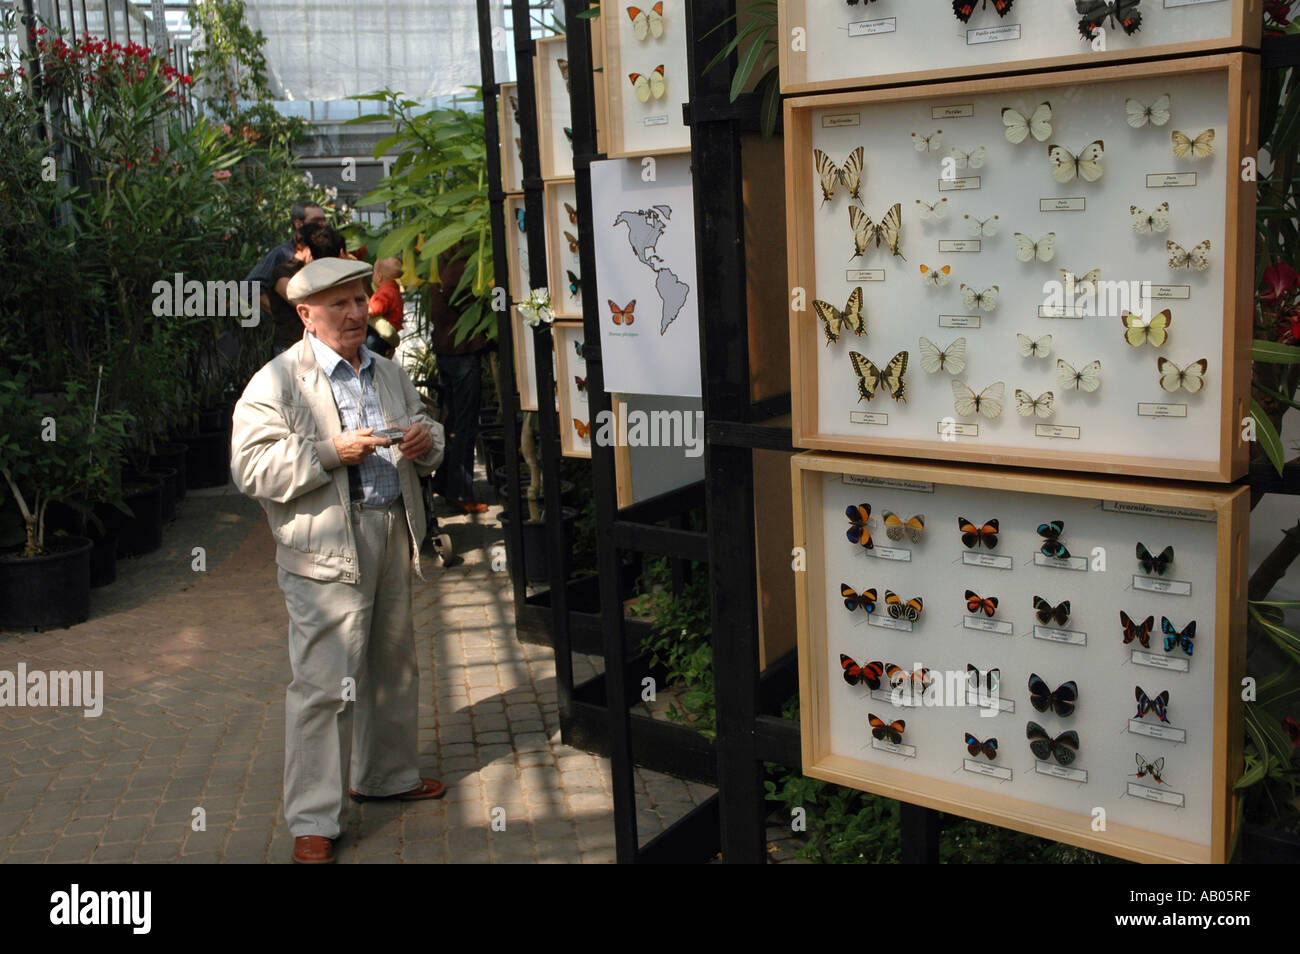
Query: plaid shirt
(358, 404)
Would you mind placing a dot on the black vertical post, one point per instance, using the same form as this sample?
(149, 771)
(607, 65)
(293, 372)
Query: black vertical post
(608, 554)
(918, 834)
(729, 477)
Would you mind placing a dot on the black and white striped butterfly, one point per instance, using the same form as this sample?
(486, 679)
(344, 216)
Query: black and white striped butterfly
(832, 176)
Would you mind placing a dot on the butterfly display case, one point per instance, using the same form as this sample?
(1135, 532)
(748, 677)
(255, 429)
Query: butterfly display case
(512, 164)
(1052, 270)
(831, 44)
(571, 380)
(645, 77)
(563, 268)
(1058, 655)
(516, 247)
(554, 125)
(525, 366)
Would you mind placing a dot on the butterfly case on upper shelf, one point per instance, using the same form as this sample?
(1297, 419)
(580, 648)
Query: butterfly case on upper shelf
(832, 45)
(512, 165)
(1033, 251)
(562, 265)
(920, 595)
(645, 77)
(571, 380)
(550, 66)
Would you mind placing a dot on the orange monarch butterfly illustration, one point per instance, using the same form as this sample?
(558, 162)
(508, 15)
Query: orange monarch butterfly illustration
(624, 315)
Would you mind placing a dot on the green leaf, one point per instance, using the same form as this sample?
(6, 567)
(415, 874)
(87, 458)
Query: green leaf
(1272, 352)
(1268, 437)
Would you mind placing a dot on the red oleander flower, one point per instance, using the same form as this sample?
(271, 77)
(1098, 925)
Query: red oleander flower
(1279, 280)
(221, 175)
(1279, 11)
(1289, 328)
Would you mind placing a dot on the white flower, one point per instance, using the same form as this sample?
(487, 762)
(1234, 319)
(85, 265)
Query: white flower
(537, 307)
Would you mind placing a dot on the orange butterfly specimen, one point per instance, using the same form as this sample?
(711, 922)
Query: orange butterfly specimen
(882, 729)
(583, 428)
(868, 673)
(976, 604)
(894, 605)
(573, 213)
(622, 316)
(972, 536)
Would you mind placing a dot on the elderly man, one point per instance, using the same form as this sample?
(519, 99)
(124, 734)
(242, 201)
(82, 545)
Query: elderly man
(346, 511)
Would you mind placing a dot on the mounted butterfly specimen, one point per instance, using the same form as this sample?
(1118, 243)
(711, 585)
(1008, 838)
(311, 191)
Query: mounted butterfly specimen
(1084, 285)
(1087, 378)
(647, 23)
(1156, 113)
(572, 240)
(936, 277)
(1154, 564)
(973, 159)
(1047, 613)
(1197, 258)
(580, 383)
(1198, 148)
(1095, 14)
(1066, 166)
(987, 402)
(1062, 701)
(964, 9)
(896, 526)
(568, 134)
(1134, 631)
(1064, 748)
(519, 220)
(1019, 126)
(976, 604)
(1154, 332)
(832, 176)
(1034, 348)
(1148, 223)
(977, 228)
(951, 359)
(582, 427)
(972, 537)
(1157, 704)
(563, 67)
(1146, 767)
(882, 730)
(859, 532)
(654, 85)
(985, 300)
(928, 143)
(575, 282)
(1051, 545)
(1174, 639)
(871, 378)
(572, 213)
(896, 608)
(1027, 250)
(867, 673)
(988, 747)
(986, 683)
(624, 315)
(932, 212)
(854, 600)
(1043, 406)
(578, 348)
(1191, 378)
(868, 234)
(834, 321)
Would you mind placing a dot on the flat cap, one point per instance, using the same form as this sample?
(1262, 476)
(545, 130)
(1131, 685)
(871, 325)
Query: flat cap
(324, 273)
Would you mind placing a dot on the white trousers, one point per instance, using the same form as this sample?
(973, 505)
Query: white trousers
(354, 699)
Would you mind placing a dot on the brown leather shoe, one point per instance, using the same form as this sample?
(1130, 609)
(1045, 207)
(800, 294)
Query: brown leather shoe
(428, 788)
(313, 850)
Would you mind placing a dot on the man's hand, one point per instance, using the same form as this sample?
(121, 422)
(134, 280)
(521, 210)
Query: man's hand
(355, 445)
(417, 442)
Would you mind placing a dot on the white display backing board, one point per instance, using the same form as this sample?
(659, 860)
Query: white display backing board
(889, 39)
(553, 111)
(1120, 419)
(648, 470)
(569, 366)
(516, 248)
(512, 165)
(645, 253)
(525, 366)
(654, 126)
(562, 247)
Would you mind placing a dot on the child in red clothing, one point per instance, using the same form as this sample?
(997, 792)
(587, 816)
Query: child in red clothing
(386, 302)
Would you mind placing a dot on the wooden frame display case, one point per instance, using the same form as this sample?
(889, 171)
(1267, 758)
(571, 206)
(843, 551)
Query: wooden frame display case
(571, 378)
(525, 375)
(562, 265)
(599, 87)
(648, 432)
(512, 164)
(1050, 657)
(553, 112)
(1027, 263)
(828, 45)
(517, 247)
(657, 58)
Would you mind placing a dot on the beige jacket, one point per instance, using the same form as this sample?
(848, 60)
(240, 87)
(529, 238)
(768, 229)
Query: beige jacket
(282, 454)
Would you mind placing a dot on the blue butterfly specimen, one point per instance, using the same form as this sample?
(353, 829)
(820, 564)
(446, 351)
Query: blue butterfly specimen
(858, 532)
(1174, 639)
(1159, 705)
(519, 220)
(1155, 564)
(974, 746)
(1052, 547)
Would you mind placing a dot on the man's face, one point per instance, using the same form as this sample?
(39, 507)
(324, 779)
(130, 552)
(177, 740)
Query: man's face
(337, 316)
(314, 214)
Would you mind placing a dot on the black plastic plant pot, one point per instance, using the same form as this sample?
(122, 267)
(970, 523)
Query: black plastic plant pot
(103, 561)
(207, 462)
(174, 456)
(536, 564)
(167, 475)
(46, 592)
(141, 533)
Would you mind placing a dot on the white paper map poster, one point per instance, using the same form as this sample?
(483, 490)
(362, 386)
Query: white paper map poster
(644, 218)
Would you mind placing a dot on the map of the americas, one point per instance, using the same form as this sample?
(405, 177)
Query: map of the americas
(644, 229)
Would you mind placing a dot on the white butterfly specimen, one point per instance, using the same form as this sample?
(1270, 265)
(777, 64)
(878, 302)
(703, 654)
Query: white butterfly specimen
(951, 359)
(1087, 378)
(1042, 406)
(1198, 258)
(832, 176)
(1139, 114)
(981, 227)
(1086, 165)
(1138, 332)
(1027, 249)
(1148, 223)
(985, 300)
(1190, 378)
(936, 277)
(1029, 348)
(932, 213)
(988, 402)
(1038, 124)
(1198, 148)
(975, 158)
(1085, 284)
(928, 143)
(867, 233)
(647, 23)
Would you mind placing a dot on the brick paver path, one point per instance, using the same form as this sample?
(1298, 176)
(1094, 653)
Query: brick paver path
(195, 666)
